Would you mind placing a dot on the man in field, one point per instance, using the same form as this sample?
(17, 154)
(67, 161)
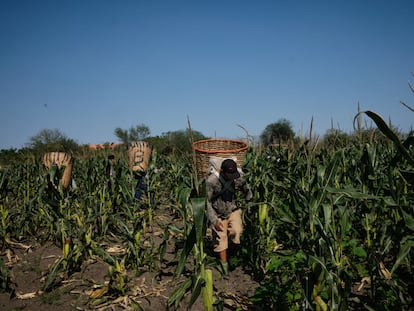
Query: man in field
(223, 210)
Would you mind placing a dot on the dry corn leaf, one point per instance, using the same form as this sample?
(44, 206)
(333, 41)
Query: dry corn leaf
(116, 250)
(20, 245)
(365, 281)
(124, 300)
(97, 292)
(28, 295)
(387, 274)
(320, 303)
(11, 259)
(235, 300)
(8, 255)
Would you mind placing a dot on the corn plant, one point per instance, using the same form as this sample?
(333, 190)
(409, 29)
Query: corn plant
(259, 237)
(328, 228)
(201, 280)
(336, 220)
(5, 278)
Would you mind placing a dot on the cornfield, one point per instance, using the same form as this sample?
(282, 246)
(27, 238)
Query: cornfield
(328, 228)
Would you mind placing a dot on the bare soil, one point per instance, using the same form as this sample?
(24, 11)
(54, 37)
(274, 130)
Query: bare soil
(84, 290)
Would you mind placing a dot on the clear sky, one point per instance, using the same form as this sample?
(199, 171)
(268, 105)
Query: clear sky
(86, 67)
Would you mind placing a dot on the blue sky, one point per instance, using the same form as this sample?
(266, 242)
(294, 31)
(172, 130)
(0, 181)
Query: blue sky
(87, 67)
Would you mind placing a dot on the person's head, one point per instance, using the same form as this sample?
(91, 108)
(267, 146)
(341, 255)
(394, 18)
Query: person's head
(229, 170)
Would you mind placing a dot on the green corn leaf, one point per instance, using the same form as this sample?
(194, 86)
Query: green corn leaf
(351, 193)
(408, 142)
(53, 273)
(179, 293)
(184, 195)
(104, 255)
(198, 205)
(409, 220)
(402, 255)
(332, 167)
(188, 246)
(383, 127)
(327, 176)
(360, 252)
(135, 306)
(197, 283)
(327, 215)
(324, 236)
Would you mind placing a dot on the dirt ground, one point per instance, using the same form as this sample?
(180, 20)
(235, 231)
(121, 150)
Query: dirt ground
(29, 263)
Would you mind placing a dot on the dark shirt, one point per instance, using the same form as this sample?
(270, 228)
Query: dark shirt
(218, 203)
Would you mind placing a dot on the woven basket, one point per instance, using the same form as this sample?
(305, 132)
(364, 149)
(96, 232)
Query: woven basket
(60, 159)
(139, 154)
(222, 148)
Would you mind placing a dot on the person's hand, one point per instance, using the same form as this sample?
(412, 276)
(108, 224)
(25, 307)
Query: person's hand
(219, 225)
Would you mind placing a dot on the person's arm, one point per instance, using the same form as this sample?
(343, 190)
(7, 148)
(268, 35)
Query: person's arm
(247, 191)
(211, 213)
(244, 187)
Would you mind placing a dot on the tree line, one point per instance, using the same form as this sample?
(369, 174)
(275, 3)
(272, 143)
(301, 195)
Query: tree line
(277, 134)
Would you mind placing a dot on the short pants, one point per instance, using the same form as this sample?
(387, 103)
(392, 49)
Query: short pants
(233, 229)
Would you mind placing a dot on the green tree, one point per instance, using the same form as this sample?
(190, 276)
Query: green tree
(139, 132)
(277, 133)
(178, 142)
(48, 140)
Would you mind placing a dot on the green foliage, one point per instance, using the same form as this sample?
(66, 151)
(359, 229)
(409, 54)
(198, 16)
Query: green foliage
(200, 280)
(335, 138)
(5, 277)
(279, 132)
(52, 140)
(347, 210)
(176, 142)
(137, 133)
(11, 156)
(281, 287)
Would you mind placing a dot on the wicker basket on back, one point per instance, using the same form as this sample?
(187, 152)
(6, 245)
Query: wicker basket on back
(222, 148)
(139, 155)
(61, 159)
